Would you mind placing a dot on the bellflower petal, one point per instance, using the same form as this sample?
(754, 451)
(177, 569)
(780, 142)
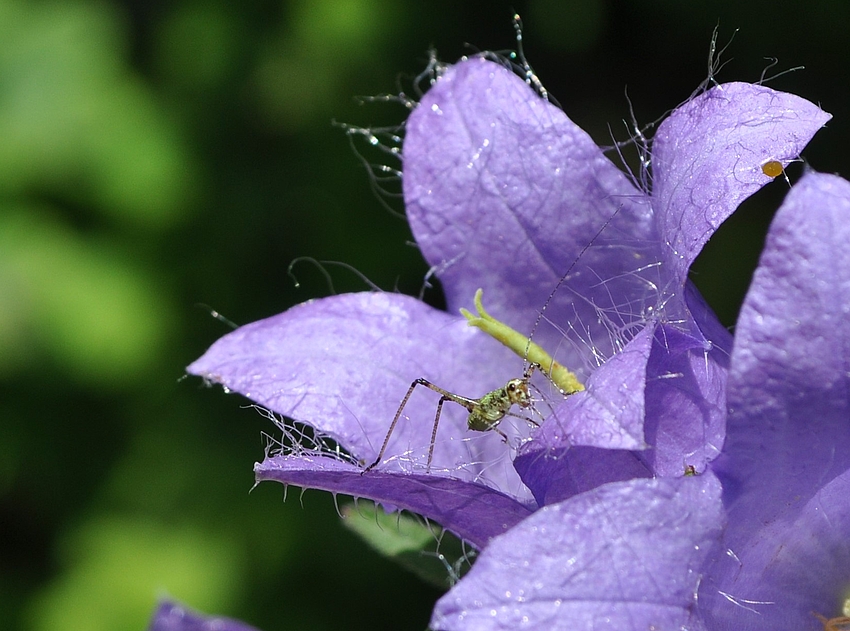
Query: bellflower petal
(343, 359)
(609, 412)
(555, 465)
(503, 192)
(624, 556)
(786, 465)
(348, 360)
(686, 412)
(708, 157)
(170, 616)
(475, 511)
(569, 471)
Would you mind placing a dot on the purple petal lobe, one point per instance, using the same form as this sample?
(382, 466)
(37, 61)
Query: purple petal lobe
(794, 566)
(610, 411)
(708, 156)
(554, 476)
(685, 402)
(608, 414)
(789, 382)
(170, 616)
(474, 512)
(501, 178)
(504, 192)
(788, 429)
(623, 556)
(343, 364)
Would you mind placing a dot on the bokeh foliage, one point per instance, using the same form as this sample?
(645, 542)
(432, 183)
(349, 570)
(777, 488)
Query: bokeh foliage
(158, 156)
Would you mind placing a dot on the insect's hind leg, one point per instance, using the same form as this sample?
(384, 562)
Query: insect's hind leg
(443, 399)
(446, 396)
(417, 382)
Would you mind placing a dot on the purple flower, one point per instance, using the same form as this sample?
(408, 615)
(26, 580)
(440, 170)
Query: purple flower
(504, 193)
(170, 616)
(634, 555)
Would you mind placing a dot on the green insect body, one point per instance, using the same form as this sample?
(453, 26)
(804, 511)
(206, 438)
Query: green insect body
(485, 413)
(493, 406)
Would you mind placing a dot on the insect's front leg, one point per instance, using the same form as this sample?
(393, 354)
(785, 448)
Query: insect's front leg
(527, 419)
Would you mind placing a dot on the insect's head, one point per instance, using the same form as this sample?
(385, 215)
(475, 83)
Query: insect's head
(517, 390)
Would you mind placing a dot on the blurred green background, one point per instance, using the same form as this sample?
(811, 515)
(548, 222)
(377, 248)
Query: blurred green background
(155, 156)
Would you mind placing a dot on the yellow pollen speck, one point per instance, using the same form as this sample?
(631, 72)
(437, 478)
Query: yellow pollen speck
(772, 168)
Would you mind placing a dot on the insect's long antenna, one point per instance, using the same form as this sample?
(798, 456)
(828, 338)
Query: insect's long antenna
(563, 279)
